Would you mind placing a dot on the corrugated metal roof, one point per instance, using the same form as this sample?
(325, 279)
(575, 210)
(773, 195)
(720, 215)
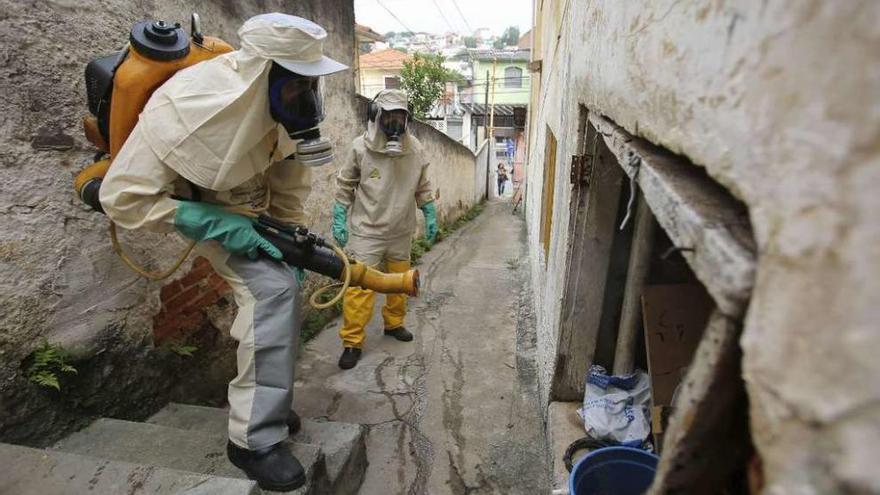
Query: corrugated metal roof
(500, 109)
(502, 56)
(443, 109)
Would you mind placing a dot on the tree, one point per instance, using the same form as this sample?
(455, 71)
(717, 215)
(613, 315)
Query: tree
(498, 44)
(470, 41)
(423, 77)
(390, 34)
(511, 36)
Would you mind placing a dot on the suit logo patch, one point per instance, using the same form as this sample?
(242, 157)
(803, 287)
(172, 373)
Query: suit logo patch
(374, 174)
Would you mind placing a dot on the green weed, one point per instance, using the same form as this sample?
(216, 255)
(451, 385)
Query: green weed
(181, 349)
(49, 364)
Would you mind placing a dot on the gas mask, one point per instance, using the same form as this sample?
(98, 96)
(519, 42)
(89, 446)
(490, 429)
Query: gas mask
(295, 102)
(393, 124)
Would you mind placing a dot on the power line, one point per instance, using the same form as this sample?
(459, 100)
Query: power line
(470, 31)
(395, 17)
(443, 16)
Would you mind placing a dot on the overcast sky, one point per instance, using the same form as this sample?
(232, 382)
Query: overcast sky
(424, 15)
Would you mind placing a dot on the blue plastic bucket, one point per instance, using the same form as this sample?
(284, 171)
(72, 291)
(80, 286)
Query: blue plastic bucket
(613, 471)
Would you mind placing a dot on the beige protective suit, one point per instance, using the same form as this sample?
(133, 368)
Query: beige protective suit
(382, 193)
(210, 125)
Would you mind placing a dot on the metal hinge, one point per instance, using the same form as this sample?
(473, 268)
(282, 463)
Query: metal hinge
(581, 168)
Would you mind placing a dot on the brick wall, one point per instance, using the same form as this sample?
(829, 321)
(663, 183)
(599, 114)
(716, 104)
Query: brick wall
(185, 301)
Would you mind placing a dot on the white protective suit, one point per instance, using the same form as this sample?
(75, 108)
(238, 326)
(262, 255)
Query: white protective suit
(381, 192)
(210, 125)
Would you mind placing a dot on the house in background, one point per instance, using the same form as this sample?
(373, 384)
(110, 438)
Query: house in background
(525, 41)
(379, 70)
(494, 94)
(508, 144)
(507, 99)
(510, 71)
(448, 116)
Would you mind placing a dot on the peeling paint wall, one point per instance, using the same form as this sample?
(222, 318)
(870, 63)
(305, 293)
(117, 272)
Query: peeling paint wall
(778, 101)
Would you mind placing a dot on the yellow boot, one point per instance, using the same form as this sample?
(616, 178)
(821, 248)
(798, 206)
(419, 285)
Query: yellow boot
(357, 309)
(394, 310)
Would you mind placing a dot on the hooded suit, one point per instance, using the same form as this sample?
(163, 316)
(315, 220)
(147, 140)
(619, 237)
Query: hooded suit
(209, 127)
(382, 193)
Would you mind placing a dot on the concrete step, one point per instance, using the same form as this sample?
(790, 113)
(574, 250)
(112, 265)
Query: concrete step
(187, 450)
(29, 471)
(343, 444)
(563, 427)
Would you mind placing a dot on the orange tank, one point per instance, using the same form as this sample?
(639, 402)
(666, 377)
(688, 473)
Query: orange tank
(137, 78)
(134, 82)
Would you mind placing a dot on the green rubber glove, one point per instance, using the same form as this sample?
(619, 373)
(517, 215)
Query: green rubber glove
(203, 221)
(340, 224)
(300, 275)
(430, 212)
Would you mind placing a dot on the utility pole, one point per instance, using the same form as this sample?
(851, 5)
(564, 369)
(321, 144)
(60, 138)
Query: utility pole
(491, 153)
(492, 104)
(486, 135)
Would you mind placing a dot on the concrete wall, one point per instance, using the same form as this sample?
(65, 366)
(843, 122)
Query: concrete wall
(777, 100)
(482, 172)
(59, 279)
(452, 172)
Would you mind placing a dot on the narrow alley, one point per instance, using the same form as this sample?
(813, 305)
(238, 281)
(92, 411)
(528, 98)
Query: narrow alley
(455, 411)
(644, 232)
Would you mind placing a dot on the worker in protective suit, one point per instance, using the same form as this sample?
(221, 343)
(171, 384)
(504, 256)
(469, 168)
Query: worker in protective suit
(380, 186)
(231, 129)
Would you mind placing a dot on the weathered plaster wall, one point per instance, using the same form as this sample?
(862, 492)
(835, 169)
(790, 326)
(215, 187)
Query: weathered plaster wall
(482, 171)
(59, 279)
(452, 171)
(778, 101)
(546, 115)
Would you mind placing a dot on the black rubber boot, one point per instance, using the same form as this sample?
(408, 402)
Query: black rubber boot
(273, 468)
(400, 333)
(294, 424)
(349, 358)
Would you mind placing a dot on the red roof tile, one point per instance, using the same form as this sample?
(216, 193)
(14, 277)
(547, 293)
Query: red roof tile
(383, 59)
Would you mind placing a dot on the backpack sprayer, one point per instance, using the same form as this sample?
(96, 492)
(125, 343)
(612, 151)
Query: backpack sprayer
(119, 85)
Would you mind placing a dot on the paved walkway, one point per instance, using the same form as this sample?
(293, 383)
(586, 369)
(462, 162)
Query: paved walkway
(456, 410)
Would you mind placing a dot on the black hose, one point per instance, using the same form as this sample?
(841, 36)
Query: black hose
(301, 248)
(585, 443)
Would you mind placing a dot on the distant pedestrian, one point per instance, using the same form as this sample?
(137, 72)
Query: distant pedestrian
(501, 173)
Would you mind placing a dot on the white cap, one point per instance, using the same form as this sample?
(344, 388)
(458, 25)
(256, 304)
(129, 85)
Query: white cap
(392, 99)
(292, 42)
